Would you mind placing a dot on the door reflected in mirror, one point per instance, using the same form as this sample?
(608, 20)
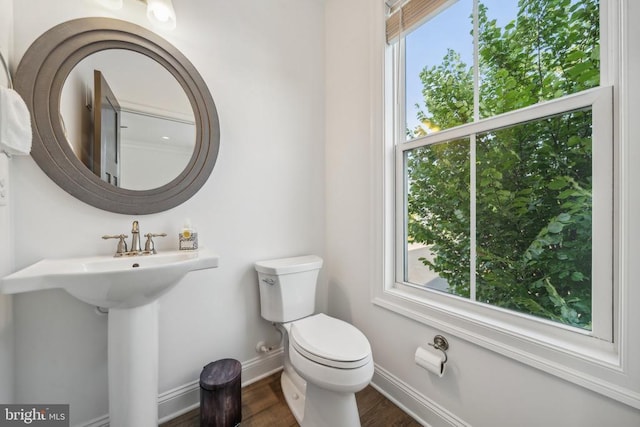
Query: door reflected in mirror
(105, 151)
(157, 134)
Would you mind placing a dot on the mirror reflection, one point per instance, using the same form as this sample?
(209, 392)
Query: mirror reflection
(132, 125)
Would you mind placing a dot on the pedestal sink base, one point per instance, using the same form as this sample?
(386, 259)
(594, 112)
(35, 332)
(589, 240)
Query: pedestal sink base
(133, 366)
(130, 288)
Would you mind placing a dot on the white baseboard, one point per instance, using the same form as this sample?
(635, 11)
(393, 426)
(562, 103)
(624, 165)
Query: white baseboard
(418, 406)
(182, 399)
(175, 402)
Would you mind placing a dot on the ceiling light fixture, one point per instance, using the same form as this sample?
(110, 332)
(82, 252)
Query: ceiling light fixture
(160, 12)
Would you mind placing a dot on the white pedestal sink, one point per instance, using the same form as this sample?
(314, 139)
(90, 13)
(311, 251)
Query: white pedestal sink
(129, 287)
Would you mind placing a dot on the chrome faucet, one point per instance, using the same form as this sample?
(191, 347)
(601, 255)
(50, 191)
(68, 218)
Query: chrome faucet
(135, 238)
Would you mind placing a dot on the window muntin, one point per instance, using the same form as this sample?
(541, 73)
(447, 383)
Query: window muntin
(579, 72)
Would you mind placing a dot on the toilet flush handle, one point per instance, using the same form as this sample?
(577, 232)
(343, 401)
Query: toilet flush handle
(269, 281)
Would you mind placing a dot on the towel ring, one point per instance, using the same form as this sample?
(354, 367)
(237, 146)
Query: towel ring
(6, 69)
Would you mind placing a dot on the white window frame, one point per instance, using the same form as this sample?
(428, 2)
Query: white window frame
(600, 101)
(594, 359)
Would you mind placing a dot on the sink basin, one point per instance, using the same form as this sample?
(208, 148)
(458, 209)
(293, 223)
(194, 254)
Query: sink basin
(129, 286)
(110, 282)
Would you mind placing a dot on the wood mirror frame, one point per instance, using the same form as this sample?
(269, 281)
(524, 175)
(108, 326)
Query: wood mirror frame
(40, 78)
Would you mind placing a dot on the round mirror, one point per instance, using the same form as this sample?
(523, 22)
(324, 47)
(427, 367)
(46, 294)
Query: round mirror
(156, 134)
(121, 119)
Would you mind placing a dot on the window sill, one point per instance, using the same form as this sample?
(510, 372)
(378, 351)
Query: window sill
(563, 352)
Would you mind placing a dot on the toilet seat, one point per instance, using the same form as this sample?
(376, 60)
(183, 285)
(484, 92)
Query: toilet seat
(330, 342)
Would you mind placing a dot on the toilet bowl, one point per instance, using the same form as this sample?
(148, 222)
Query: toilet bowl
(327, 360)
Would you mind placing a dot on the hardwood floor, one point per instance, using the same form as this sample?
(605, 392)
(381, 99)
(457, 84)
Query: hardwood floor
(263, 405)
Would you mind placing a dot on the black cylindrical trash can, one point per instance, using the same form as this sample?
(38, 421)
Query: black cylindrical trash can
(220, 394)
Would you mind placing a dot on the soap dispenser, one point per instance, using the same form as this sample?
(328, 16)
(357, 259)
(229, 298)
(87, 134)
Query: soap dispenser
(188, 237)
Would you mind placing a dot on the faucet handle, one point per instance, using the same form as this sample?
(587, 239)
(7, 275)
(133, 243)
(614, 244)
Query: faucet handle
(149, 245)
(122, 245)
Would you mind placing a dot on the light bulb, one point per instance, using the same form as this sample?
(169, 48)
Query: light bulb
(161, 13)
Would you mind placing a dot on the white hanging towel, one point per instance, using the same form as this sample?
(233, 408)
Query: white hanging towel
(15, 124)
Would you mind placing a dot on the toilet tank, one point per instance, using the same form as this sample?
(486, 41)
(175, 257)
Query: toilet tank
(288, 287)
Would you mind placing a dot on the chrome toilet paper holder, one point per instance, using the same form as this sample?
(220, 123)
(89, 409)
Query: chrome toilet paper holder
(440, 343)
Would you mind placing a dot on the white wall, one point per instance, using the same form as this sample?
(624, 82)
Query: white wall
(6, 314)
(263, 62)
(480, 388)
(139, 172)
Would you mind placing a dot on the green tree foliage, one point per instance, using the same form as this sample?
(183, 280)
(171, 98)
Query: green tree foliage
(533, 180)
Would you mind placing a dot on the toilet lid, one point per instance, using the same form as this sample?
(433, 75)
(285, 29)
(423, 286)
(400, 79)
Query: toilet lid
(330, 342)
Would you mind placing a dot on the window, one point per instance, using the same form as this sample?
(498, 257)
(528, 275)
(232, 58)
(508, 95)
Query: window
(464, 166)
(503, 122)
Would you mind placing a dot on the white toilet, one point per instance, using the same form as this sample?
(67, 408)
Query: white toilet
(326, 360)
